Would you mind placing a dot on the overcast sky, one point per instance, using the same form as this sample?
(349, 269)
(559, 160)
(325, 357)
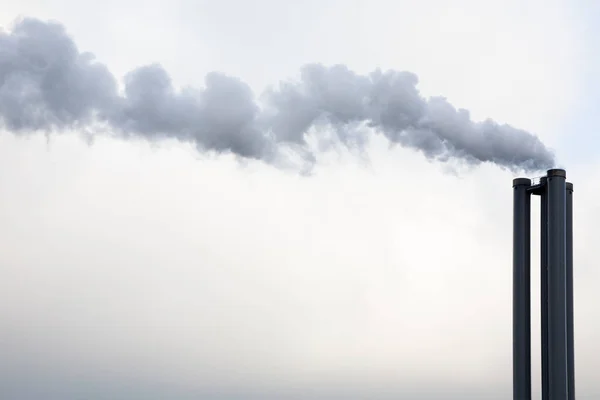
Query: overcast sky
(149, 270)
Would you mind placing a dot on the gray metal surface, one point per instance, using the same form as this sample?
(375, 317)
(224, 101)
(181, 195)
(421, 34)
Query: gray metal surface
(569, 273)
(557, 286)
(544, 286)
(521, 290)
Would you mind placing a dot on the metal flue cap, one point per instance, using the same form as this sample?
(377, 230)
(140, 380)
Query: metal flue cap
(558, 172)
(521, 182)
(569, 186)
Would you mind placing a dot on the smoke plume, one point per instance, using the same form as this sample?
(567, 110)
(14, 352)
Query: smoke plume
(47, 84)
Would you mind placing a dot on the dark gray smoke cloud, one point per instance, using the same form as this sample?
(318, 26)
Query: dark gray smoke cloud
(47, 84)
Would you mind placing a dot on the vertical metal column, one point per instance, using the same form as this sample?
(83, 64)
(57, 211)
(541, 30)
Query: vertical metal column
(569, 273)
(544, 284)
(557, 286)
(521, 290)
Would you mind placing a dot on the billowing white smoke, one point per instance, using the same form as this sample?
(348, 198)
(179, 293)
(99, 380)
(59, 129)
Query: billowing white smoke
(47, 84)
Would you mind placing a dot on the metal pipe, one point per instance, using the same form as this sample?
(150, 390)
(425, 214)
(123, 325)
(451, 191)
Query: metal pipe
(544, 284)
(569, 273)
(521, 289)
(557, 287)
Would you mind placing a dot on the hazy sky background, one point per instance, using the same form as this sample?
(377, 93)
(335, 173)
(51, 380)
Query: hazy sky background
(138, 271)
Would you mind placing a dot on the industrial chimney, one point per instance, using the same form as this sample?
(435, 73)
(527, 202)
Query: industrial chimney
(558, 382)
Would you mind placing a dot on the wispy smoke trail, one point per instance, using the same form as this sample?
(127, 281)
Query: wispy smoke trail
(47, 84)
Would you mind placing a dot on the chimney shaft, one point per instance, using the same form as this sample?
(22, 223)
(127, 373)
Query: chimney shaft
(556, 245)
(521, 290)
(543, 286)
(570, 330)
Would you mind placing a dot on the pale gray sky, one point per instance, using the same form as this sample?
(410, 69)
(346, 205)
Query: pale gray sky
(131, 270)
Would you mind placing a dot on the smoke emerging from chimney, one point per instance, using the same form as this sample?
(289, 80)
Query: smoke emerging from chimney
(47, 84)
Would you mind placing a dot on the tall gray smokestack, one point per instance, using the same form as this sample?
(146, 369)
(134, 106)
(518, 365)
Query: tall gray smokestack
(521, 289)
(557, 285)
(557, 344)
(46, 84)
(570, 315)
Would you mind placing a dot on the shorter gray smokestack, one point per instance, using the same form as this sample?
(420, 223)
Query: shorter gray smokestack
(47, 84)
